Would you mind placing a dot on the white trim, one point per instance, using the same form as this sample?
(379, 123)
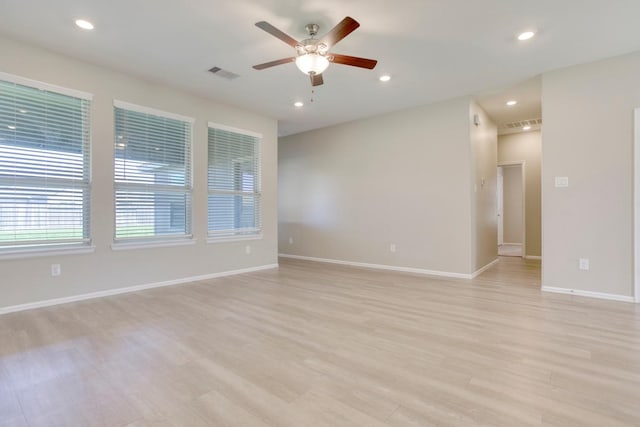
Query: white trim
(533, 257)
(213, 125)
(636, 205)
(543, 187)
(511, 244)
(148, 110)
(381, 267)
(589, 294)
(110, 292)
(125, 246)
(45, 86)
(485, 268)
(42, 252)
(225, 239)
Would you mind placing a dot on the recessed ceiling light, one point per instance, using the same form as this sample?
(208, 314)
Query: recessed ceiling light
(85, 25)
(525, 128)
(298, 104)
(526, 35)
(511, 103)
(23, 111)
(11, 127)
(385, 78)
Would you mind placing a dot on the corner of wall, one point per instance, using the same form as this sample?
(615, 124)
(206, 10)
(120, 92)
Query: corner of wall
(483, 139)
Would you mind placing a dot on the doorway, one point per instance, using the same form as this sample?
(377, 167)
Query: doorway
(511, 209)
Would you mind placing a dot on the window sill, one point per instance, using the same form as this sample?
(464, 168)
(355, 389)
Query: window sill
(127, 246)
(225, 239)
(50, 251)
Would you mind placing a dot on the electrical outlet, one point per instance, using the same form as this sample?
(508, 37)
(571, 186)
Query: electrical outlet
(291, 240)
(56, 270)
(392, 247)
(247, 249)
(583, 263)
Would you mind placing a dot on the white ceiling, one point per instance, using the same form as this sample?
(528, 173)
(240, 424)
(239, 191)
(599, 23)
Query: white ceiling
(527, 94)
(434, 49)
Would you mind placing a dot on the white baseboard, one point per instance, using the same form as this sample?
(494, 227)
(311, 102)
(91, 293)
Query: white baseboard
(382, 267)
(589, 294)
(533, 257)
(485, 268)
(109, 292)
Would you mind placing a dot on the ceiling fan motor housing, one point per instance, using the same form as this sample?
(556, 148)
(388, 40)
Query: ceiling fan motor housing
(311, 46)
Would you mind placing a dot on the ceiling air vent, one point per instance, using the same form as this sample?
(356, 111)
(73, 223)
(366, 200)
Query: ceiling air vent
(223, 73)
(522, 123)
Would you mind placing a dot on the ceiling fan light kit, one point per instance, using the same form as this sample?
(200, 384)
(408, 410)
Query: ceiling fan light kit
(312, 55)
(312, 63)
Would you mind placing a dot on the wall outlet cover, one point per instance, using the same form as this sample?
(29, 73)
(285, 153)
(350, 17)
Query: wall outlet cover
(56, 270)
(583, 264)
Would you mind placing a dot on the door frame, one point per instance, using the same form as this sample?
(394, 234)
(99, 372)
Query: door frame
(500, 202)
(524, 201)
(636, 205)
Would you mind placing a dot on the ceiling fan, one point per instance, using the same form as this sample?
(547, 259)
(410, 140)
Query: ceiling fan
(312, 55)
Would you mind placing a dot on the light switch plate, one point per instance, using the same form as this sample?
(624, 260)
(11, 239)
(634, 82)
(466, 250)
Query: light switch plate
(562, 181)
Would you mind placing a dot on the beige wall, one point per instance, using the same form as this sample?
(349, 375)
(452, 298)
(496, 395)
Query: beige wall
(28, 280)
(350, 191)
(588, 137)
(484, 232)
(527, 147)
(512, 204)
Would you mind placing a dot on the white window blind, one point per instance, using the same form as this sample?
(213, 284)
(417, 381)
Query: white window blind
(44, 166)
(152, 174)
(233, 182)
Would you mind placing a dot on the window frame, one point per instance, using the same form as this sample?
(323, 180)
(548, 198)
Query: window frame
(37, 248)
(237, 234)
(156, 240)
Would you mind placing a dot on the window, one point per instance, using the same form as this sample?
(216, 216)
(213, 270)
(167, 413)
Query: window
(45, 188)
(233, 183)
(152, 174)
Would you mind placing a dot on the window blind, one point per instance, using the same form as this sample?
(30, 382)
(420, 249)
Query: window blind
(153, 188)
(233, 182)
(45, 189)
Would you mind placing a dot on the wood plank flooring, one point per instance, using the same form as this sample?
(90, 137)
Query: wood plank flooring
(313, 344)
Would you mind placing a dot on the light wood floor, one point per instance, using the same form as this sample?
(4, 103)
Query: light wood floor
(314, 344)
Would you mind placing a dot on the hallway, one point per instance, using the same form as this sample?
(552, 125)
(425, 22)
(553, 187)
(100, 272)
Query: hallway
(514, 270)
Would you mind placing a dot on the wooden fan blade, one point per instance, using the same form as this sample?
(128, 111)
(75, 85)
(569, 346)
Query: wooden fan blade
(340, 31)
(317, 80)
(273, 63)
(263, 25)
(354, 61)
